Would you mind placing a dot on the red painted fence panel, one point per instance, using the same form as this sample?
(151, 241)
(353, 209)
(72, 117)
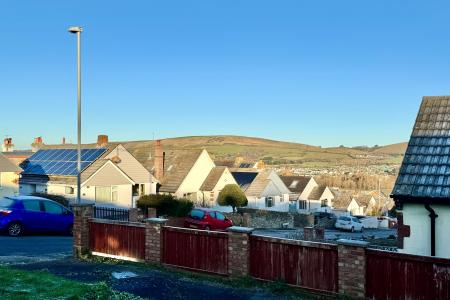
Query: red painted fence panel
(402, 276)
(195, 249)
(113, 238)
(305, 264)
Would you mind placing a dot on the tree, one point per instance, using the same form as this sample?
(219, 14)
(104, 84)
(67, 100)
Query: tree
(233, 196)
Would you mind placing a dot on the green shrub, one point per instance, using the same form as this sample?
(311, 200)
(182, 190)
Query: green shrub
(57, 198)
(165, 205)
(233, 196)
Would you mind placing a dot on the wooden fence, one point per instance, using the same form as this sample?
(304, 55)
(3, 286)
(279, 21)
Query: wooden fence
(195, 249)
(113, 238)
(305, 264)
(402, 276)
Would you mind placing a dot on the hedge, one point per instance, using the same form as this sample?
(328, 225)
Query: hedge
(166, 205)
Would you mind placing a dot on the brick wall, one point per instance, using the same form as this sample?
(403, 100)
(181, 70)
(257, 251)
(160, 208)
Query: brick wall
(153, 239)
(256, 218)
(352, 268)
(82, 213)
(239, 251)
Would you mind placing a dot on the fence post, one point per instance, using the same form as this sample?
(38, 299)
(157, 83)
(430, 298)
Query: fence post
(134, 215)
(239, 251)
(153, 239)
(352, 268)
(82, 213)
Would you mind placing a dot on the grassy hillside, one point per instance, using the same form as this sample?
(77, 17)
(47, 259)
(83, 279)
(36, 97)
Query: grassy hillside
(278, 152)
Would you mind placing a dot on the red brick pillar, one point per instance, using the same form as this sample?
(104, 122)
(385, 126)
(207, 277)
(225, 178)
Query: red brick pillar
(153, 239)
(352, 268)
(239, 251)
(82, 213)
(151, 212)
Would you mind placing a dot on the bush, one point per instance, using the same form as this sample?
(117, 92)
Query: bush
(232, 195)
(57, 198)
(166, 205)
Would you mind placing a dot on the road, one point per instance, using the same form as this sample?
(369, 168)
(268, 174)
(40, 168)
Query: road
(27, 249)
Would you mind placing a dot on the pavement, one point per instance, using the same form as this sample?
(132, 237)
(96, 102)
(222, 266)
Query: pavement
(53, 254)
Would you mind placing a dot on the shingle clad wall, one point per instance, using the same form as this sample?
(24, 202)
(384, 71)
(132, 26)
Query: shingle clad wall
(425, 170)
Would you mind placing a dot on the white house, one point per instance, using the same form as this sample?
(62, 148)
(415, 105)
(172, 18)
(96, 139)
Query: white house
(264, 190)
(9, 177)
(308, 195)
(217, 179)
(422, 190)
(110, 174)
(357, 204)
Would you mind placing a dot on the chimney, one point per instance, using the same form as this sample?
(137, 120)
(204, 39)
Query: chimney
(36, 145)
(63, 140)
(8, 146)
(159, 160)
(102, 140)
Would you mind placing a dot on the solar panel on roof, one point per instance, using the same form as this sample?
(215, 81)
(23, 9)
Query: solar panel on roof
(59, 161)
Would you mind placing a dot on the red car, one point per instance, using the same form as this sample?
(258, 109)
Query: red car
(207, 219)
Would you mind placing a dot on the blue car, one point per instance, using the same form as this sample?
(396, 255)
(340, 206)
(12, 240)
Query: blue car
(30, 214)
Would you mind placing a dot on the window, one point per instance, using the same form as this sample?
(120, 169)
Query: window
(293, 184)
(269, 201)
(212, 214)
(302, 204)
(220, 216)
(197, 214)
(32, 205)
(324, 202)
(6, 202)
(103, 194)
(69, 190)
(53, 208)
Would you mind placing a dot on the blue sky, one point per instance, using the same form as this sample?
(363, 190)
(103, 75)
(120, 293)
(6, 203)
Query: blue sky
(316, 72)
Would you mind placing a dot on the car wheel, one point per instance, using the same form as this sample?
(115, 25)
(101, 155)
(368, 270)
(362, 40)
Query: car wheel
(207, 228)
(14, 229)
(353, 229)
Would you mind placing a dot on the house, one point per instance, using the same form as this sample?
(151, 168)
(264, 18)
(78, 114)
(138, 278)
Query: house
(422, 189)
(9, 177)
(357, 204)
(110, 174)
(307, 195)
(217, 179)
(264, 189)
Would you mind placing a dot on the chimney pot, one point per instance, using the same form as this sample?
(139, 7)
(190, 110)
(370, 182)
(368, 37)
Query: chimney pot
(102, 140)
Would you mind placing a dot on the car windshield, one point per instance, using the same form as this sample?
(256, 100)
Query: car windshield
(344, 218)
(6, 202)
(197, 214)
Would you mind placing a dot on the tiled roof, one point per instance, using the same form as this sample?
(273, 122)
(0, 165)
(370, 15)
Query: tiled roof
(258, 184)
(296, 184)
(317, 192)
(7, 166)
(212, 179)
(342, 199)
(425, 170)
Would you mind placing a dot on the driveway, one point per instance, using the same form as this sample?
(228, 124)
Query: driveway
(27, 249)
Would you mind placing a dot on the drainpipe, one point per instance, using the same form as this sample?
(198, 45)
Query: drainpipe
(433, 217)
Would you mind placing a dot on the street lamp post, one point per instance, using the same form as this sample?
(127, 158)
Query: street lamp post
(78, 30)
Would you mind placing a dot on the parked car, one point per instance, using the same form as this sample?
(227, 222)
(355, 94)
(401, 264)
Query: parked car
(206, 219)
(31, 214)
(349, 223)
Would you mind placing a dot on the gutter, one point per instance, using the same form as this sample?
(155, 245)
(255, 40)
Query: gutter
(433, 217)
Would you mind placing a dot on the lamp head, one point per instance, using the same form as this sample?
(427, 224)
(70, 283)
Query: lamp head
(75, 29)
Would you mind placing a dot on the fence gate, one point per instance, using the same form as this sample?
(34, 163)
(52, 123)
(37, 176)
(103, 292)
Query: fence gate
(195, 249)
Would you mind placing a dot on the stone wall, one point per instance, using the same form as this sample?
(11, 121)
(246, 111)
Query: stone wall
(256, 218)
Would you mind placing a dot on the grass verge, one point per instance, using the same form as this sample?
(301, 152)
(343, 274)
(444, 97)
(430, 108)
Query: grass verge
(20, 285)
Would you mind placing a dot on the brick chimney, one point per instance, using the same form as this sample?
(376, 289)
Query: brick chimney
(159, 161)
(102, 140)
(7, 146)
(37, 144)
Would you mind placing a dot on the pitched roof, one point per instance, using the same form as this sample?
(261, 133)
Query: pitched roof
(244, 179)
(212, 179)
(7, 166)
(317, 192)
(177, 165)
(425, 170)
(342, 199)
(259, 184)
(296, 184)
